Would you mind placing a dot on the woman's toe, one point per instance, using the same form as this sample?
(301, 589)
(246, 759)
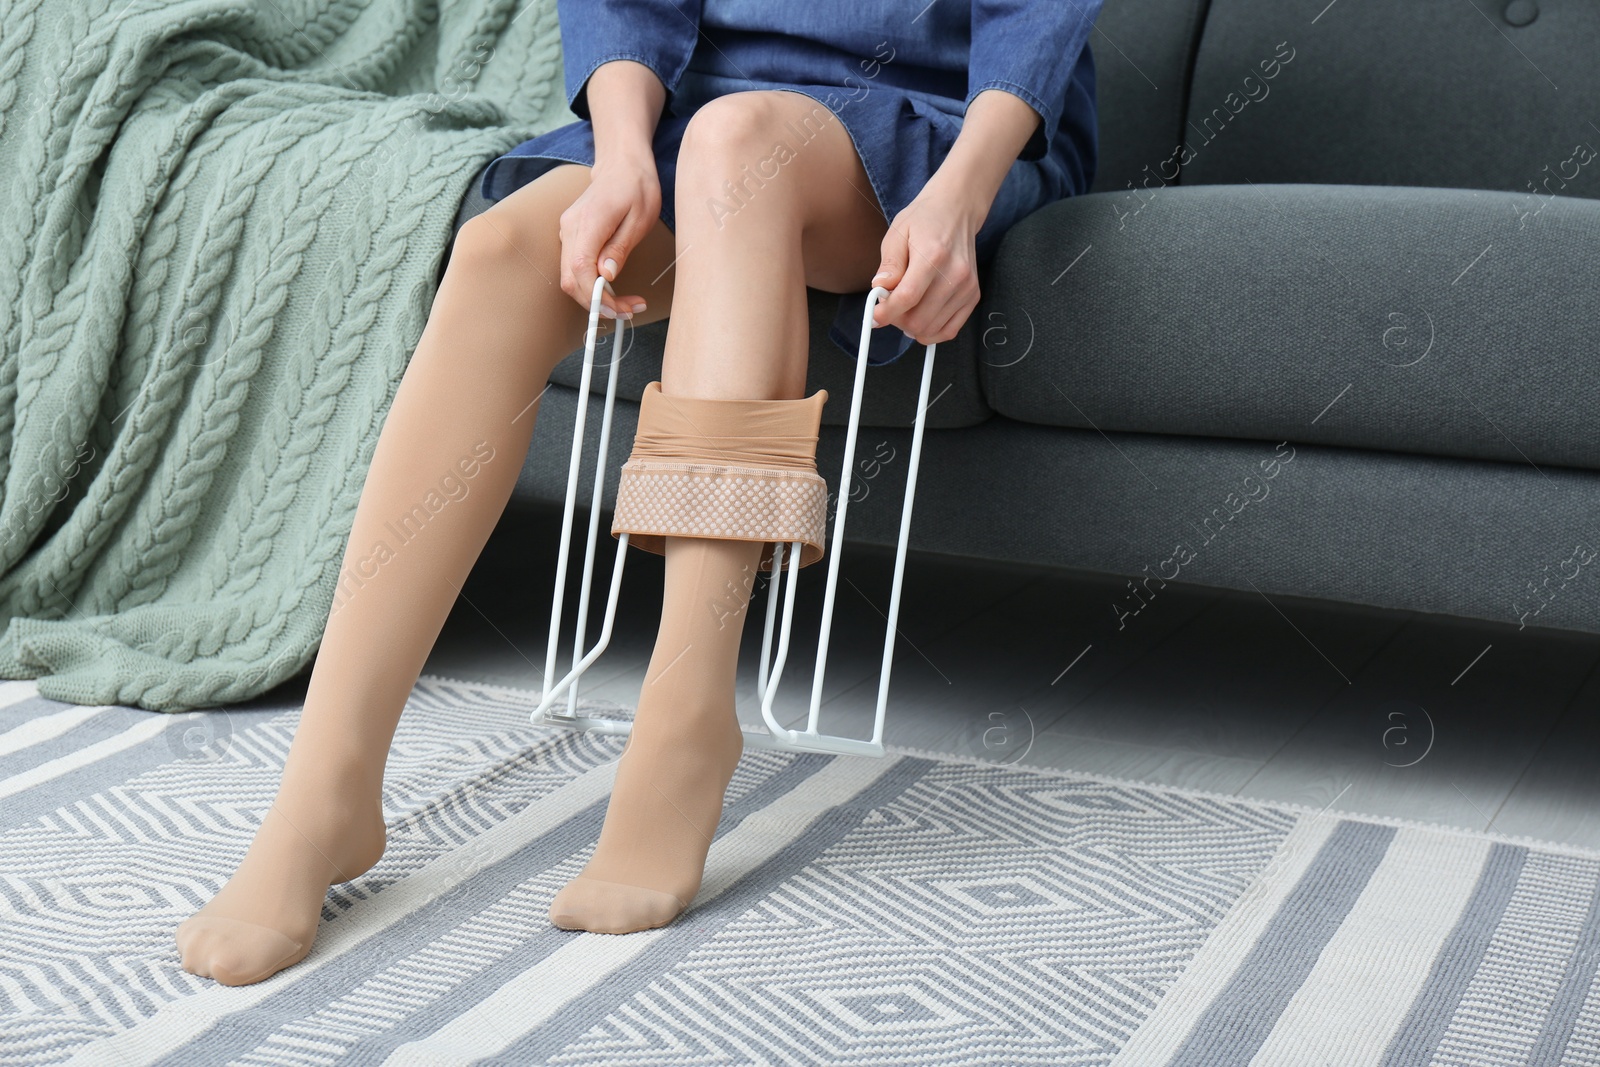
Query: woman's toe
(233, 951)
(604, 907)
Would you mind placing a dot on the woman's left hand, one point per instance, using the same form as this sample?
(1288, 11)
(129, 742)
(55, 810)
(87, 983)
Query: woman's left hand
(929, 264)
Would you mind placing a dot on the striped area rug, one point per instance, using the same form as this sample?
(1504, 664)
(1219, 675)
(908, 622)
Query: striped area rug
(911, 910)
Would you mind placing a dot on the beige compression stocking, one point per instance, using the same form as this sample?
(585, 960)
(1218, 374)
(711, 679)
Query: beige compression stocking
(446, 460)
(710, 484)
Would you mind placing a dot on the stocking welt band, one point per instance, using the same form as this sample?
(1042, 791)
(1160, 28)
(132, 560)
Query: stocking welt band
(656, 498)
(762, 486)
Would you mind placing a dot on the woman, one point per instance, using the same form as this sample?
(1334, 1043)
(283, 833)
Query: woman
(728, 154)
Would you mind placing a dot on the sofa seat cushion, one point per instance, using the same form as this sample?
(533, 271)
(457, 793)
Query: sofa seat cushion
(1353, 525)
(1435, 321)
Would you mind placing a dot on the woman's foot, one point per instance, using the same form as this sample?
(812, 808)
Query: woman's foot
(266, 917)
(665, 806)
(682, 752)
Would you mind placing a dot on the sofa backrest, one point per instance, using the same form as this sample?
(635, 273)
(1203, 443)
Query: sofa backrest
(1142, 54)
(1473, 94)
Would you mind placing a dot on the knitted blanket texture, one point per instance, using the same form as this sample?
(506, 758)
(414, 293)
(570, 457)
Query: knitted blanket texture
(222, 231)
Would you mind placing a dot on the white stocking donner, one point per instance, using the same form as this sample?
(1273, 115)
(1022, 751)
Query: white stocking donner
(774, 734)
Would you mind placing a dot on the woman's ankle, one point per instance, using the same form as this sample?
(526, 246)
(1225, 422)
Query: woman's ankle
(326, 773)
(687, 722)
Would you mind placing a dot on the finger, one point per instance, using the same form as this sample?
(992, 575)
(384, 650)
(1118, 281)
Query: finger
(959, 311)
(614, 257)
(614, 251)
(894, 253)
(892, 259)
(930, 314)
(955, 284)
(577, 277)
(580, 260)
(930, 317)
(905, 308)
(569, 284)
(952, 297)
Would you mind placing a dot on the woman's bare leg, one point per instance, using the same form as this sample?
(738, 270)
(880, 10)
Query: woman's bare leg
(739, 331)
(461, 420)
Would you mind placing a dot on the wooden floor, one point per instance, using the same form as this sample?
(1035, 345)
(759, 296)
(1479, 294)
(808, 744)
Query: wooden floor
(1426, 717)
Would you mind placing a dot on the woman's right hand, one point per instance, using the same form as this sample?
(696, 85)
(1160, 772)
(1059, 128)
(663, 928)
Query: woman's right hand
(604, 224)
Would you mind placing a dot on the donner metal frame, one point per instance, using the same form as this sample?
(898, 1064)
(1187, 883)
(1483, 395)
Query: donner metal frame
(774, 735)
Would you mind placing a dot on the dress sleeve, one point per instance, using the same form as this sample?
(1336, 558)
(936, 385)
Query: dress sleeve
(1030, 48)
(661, 34)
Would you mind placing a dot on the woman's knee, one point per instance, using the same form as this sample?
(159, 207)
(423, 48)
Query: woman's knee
(497, 246)
(733, 156)
(521, 234)
(505, 264)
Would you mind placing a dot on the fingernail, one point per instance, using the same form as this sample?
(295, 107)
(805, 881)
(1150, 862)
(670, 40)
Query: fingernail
(611, 268)
(625, 316)
(607, 313)
(639, 306)
(880, 274)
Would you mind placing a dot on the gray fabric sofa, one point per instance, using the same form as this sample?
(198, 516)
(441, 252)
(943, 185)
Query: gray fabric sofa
(1325, 326)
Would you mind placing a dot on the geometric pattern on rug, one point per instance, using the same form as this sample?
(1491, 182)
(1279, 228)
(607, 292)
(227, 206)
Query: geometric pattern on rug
(978, 914)
(854, 911)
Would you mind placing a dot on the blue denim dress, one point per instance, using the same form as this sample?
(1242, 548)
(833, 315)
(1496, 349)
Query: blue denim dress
(899, 76)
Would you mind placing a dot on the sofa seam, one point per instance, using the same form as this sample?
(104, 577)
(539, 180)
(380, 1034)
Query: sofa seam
(1200, 23)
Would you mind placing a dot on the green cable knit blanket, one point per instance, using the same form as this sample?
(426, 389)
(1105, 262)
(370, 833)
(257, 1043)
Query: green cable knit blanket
(221, 234)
